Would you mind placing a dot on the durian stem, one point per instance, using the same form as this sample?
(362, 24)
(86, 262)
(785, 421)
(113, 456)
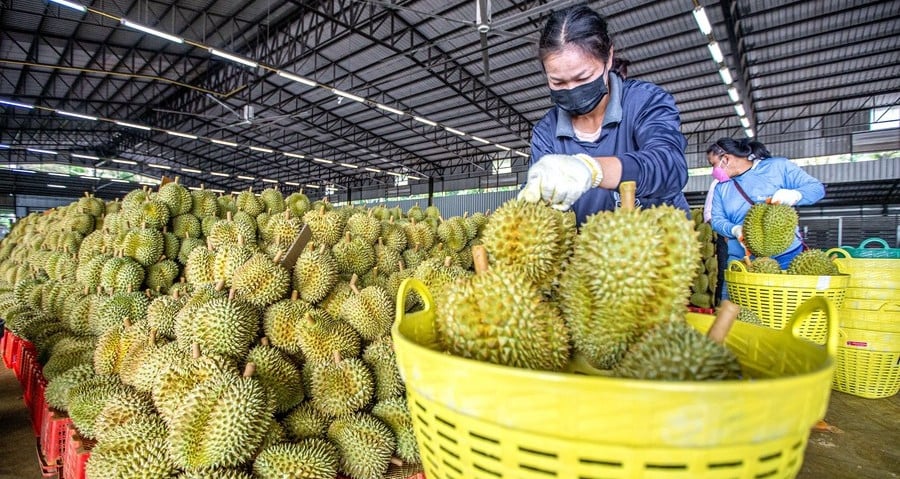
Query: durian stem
(277, 258)
(309, 319)
(401, 265)
(175, 294)
(264, 341)
(195, 350)
(295, 295)
(151, 338)
(337, 357)
(220, 285)
(480, 259)
(127, 322)
(231, 293)
(448, 261)
(725, 316)
(322, 249)
(249, 369)
(353, 280)
(396, 461)
(626, 193)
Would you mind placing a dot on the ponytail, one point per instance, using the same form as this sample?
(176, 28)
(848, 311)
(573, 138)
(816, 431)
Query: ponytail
(746, 148)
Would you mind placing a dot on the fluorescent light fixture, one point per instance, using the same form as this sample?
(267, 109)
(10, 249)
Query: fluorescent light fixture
(425, 121)
(389, 109)
(223, 142)
(216, 173)
(157, 33)
(267, 180)
(3, 146)
(116, 180)
(89, 177)
(51, 185)
(455, 131)
(733, 94)
(296, 78)
(522, 153)
(739, 109)
(726, 75)
(76, 115)
(313, 186)
(373, 170)
(745, 122)
(80, 8)
(482, 140)
(131, 125)
(214, 190)
(348, 165)
(228, 56)
(398, 175)
(748, 132)
(46, 152)
(161, 167)
(58, 174)
(261, 149)
(292, 155)
(194, 188)
(348, 95)
(22, 170)
(292, 183)
(702, 20)
(715, 51)
(414, 177)
(191, 170)
(124, 162)
(504, 148)
(183, 135)
(323, 160)
(248, 178)
(14, 103)
(86, 157)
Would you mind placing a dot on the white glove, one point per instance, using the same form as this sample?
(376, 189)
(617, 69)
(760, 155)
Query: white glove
(737, 231)
(786, 197)
(561, 179)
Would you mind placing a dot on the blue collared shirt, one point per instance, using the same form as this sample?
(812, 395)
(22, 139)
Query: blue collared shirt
(642, 128)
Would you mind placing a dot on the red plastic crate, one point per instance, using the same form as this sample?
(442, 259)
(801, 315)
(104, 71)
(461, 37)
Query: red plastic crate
(10, 350)
(30, 376)
(3, 339)
(54, 425)
(38, 406)
(699, 310)
(75, 455)
(21, 347)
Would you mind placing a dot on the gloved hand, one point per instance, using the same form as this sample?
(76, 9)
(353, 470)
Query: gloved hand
(561, 179)
(786, 197)
(738, 232)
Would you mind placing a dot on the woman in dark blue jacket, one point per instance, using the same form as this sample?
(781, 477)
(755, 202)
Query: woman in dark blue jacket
(604, 129)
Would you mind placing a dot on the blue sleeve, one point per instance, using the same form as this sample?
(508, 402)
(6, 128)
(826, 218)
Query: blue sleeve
(658, 166)
(719, 221)
(542, 140)
(797, 178)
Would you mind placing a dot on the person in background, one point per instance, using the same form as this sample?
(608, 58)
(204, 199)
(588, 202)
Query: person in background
(721, 243)
(604, 129)
(747, 173)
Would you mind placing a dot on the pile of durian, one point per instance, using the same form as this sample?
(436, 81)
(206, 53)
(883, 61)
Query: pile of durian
(703, 289)
(172, 334)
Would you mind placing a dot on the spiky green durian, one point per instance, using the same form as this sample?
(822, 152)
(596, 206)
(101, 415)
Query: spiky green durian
(702, 300)
(199, 267)
(419, 233)
(66, 354)
(227, 260)
(187, 247)
(278, 375)
(370, 311)
(203, 203)
(353, 255)
(748, 316)
(114, 310)
(225, 326)
(454, 233)
(157, 360)
(340, 386)
(216, 472)
(315, 274)
(121, 274)
(379, 356)
(91, 205)
(282, 229)
(319, 337)
(297, 203)
(387, 259)
(327, 226)
(87, 399)
(261, 280)
(161, 314)
(364, 226)
(675, 351)
(123, 407)
(186, 226)
(176, 379)
(305, 421)
(221, 423)
(814, 262)
(249, 203)
(136, 449)
(393, 235)
(365, 444)
(57, 392)
(415, 213)
(161, 275)
(395, 413)
(769, 229)
(176, 197)
(307, 459)
(230, 230)
(281, 323)
(764, 265)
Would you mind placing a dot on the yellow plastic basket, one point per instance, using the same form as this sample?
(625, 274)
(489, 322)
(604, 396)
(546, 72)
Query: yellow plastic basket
(881, 250)
(476, 420)
(885, 318)
(868, 363)
(867, 273)
(775, 297)
(877, 294)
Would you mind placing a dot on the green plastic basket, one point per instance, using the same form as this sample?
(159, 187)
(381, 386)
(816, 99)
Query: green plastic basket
(883, 250)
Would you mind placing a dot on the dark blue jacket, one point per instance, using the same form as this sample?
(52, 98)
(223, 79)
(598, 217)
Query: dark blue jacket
(642, 128)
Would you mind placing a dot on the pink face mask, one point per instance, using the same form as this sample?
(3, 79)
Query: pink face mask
(720, 174)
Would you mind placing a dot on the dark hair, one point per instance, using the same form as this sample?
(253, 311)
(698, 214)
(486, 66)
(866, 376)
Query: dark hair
(582, 27)
(745, 148)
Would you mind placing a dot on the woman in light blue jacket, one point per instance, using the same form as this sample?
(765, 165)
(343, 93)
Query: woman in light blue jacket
(747, 174)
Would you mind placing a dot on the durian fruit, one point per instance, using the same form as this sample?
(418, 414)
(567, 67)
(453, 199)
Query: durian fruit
(217, 473)
(814, 262)
(249, 203)
(315, 274)
(203, 203)
(88, 398)
(379, 356)
(278, 375)
(180, 377)
(199, 267)
(57, 391)
(630, 270)
(364, 226)
(152, 212)
(769, 229)
(386, 259)
(326, 226)
(393, 235)
(341, 386)
(353, 255)
(161, 275)
(161, 314)
(67, 353)
(113, 310)
(231, 229)
(307, 459)
(225, 326)
(365, 445)
(747, 315)
(415, 213)
(114, 345)
(135, 449)
(186, 226)
(370, 311)
(764, 265)
(675, 351)
(261, 281)
(320, 337)
(176, 197)
(121, 274)
(395, 413)
(227, 260)
(305, 421)
(220, 423)
(280, 323)
(188, 245)
(297, 203)
(498, 316)
(171, 245)
(453, 233)
(282, 229)
(123, 407)
(419, 234)
(273, 200)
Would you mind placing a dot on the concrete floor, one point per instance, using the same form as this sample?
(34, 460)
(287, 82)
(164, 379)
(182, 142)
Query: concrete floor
(867, 445)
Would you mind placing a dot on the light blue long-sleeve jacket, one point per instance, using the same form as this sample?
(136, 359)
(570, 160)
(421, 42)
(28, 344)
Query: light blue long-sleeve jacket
(762, 180)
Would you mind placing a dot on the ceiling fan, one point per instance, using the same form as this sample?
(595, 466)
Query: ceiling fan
(246, 115)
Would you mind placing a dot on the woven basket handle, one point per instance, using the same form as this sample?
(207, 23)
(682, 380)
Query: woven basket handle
(805, 310)
(737, 266)
(840, 252)
(866, 243)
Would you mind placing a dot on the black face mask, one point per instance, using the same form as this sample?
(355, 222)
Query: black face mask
(582, 99)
